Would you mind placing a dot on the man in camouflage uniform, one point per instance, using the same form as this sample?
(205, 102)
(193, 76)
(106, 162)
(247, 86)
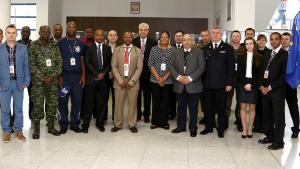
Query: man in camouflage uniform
(45, 66)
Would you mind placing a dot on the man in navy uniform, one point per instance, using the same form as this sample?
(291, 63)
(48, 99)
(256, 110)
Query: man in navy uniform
(218, 79)
(72, 50)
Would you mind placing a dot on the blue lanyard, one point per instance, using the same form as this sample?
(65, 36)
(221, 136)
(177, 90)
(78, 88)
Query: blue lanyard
(72, 50)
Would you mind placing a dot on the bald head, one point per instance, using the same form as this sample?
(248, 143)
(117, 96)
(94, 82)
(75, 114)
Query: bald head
(188, 41)
(99, 35)
(127, 38)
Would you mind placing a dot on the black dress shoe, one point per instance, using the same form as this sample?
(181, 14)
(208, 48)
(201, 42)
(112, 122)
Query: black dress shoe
(177, 130)
(244, 136)
(205, 131)
(146, 119)
(76, 129)
(133, 129)
(85, 130)
(265, 140)
(193, 134)
(63, 130)
(275, 147)
(220, 134)
(250, 136)
(166, 127)
(115, 129)
(101, 128)
(153, 126)
(295, 135)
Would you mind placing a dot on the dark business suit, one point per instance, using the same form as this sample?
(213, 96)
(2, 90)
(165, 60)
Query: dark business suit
(188, 95)
(219, 73)
(95, 90)
(273, 102)
(145, 85)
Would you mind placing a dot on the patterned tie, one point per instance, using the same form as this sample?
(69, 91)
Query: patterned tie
(126, 60)
(99, 59)
(143, 47)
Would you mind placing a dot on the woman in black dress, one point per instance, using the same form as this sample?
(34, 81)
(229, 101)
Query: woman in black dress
(248, 72)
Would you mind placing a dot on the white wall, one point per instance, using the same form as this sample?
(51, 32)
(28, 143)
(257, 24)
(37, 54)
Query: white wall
(149, 8)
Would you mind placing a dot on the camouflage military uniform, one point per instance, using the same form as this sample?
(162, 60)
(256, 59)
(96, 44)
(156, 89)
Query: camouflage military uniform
(41, 68)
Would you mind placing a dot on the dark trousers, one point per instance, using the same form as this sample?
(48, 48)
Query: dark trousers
(145, 88)
(273, 115)
(110, 88)
(76, 98)
(292, 101)
(173, 102)
(229, 98)
(258, 121)
(215, 103)
(191, 101)
(95, 97)
(160, 104)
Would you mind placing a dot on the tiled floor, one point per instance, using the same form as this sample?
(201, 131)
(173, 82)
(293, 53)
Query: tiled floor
(148, 149)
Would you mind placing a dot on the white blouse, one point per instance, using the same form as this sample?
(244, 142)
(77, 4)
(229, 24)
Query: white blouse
(249, 65)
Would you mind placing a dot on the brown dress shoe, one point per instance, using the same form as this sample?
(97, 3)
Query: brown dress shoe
(20, 136)
(6, 138)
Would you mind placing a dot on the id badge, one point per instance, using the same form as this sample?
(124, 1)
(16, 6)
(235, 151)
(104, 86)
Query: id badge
(48, 63)
(163, 67)
(184, 68)
(11, 69)
(236, 67)
(266, 74)
(72, 62)
(126, 70)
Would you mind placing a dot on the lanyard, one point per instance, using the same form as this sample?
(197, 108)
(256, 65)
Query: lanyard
(72, 50)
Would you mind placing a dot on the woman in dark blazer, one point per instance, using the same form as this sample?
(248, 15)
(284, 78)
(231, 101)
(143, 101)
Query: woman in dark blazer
(248, 74)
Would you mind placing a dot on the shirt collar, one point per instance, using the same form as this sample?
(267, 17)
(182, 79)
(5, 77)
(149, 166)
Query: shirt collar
(218, 43)
(130, 46)
(98, 43)
(145, 39)
(187, 50)
(277, 49)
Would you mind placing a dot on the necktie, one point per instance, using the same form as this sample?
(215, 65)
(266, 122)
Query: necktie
(126, 60)
(186, 53)
(143, 47)
(216, 46)
(178, 46)
(99, 59)
(272, 57)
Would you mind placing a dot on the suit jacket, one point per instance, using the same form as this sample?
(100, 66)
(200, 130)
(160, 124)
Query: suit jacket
(242, 66)
(135, 67)
(195, 66)
(22, 68)
(277, 70)
(91, 62)
(219, 64)
(149, 44)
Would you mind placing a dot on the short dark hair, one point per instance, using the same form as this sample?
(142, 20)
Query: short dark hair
(166, 32)
(1, 31)
(11, 26)
(261, 36)
(178, 31)
(249, 29)
(235, 31)
(286, 34)
(89, 27)
(276, 33)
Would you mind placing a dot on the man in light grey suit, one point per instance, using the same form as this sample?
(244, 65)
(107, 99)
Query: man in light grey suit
(187, 68)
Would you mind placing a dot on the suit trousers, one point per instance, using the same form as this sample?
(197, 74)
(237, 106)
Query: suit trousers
(191, 101)
(120, 95)
(145, 89)
(274, 115)
(292, 101)
(215, 103)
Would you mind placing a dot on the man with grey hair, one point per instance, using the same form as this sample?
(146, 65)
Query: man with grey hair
(187, 67)
(218, 79)
(145, 44)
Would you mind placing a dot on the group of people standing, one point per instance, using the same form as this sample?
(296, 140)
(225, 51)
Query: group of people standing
(170, 77)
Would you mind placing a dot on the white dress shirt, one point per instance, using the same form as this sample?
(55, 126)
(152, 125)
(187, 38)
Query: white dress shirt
(249, 65)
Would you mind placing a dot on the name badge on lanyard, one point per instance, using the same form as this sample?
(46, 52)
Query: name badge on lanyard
(236, 67)
(266, 74)
(72, 62)
(48, 63)
(126, 69)
(11, 69)
(163, 67)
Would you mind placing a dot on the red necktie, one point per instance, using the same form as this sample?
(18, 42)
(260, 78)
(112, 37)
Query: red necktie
(126, 55)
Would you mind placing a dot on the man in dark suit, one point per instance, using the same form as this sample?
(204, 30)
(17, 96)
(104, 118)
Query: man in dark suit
(97, 60)
(145, 44)
(187, 68)
(218, 80)
(272, 87)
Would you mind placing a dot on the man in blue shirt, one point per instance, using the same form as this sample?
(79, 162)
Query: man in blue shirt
(72, 50)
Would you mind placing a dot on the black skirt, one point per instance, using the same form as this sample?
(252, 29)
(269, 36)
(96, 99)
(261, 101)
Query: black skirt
(248, 97)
